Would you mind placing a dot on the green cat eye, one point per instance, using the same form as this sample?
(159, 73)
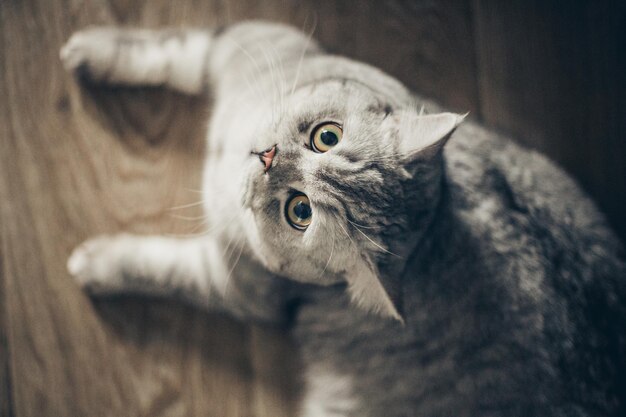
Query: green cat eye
(325, 136)
(298, 211)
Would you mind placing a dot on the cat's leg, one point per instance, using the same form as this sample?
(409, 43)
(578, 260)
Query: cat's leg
(150, 265)
(176, 58)
(196, 270)
(187, 60)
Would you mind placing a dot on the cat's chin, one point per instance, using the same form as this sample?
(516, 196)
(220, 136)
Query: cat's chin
(297, 272)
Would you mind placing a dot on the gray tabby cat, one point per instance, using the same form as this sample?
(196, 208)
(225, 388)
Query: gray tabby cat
(417, 280)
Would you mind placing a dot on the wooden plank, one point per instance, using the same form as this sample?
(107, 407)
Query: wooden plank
(6, 400)
(78, 161)
(278, 384)
(554, 75)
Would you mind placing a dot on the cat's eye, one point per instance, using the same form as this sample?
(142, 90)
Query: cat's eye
(325, 136)
(298, 211)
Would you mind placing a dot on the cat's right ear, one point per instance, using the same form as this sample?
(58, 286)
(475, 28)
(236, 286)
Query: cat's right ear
(422, 137)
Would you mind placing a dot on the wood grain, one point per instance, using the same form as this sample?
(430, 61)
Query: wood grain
(5, 381)
(78, 160)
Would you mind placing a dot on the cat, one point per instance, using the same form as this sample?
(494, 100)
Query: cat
(424, 265)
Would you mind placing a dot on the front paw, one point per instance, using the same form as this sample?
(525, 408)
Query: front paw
(91, 52)
(95, 264)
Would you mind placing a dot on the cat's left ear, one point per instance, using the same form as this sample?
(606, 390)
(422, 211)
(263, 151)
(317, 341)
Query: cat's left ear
(423, 136)
(370, 292)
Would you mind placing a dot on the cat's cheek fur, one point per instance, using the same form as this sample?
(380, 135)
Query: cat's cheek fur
(256, 244)
(367, 292)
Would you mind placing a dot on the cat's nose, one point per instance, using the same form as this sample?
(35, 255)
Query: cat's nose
(267, 157)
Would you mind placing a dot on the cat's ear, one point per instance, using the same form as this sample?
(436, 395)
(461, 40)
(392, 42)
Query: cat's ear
(423, 136)
(368, 291)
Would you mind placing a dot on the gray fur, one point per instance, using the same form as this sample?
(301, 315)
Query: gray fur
(468, 277)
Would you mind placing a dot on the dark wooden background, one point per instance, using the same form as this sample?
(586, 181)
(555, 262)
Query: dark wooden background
(78, 160)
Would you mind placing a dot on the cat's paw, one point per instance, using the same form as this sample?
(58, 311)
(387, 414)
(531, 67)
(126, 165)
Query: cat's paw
(95, 264)
(91, 52)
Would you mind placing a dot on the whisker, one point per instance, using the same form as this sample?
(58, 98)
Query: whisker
(376, 244)
(198, 226)
(283, 80)
(191, 190)
(347, 234)
(304, 50)
(243, 243)
(188, 218)
(257, 69)
(184, 206)
(332, 249)
(185, 235)
(206, 232)
(254, 88)
(227, 251)
(270, 67)
(363, 226)
(246, 53)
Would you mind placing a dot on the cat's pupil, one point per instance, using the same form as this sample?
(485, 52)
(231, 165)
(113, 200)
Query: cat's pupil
(302, 210)
(329, 138)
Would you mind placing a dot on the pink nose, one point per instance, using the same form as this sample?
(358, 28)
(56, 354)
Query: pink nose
(267, 157)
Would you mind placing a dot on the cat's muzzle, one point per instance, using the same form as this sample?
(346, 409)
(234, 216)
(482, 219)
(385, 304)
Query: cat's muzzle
(267, 157)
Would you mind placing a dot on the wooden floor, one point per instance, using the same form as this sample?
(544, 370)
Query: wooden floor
(78, 160)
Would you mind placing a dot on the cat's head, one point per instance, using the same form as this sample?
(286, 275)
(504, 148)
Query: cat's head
(341, 187)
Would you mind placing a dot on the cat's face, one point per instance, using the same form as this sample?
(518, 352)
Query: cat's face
(333, 189)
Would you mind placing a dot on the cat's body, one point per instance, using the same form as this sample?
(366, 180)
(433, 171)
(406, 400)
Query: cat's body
(492, 285)
(493, 328)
